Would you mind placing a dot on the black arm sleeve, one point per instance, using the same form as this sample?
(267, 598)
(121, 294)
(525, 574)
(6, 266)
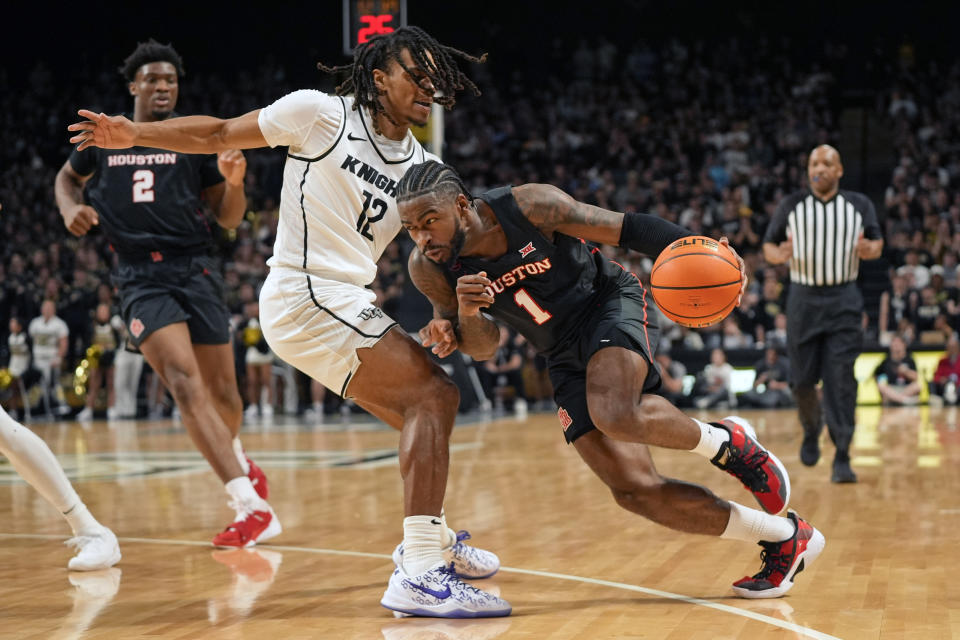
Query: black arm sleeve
(649, 234)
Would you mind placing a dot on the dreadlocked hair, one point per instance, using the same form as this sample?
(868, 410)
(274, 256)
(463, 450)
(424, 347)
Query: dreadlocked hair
(147, 52)
(377, 52)
(430, 177)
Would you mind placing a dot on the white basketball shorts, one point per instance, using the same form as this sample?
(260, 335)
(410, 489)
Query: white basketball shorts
(317, 325)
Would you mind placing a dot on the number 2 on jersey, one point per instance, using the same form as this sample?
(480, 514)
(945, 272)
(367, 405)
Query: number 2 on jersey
(143, 185)
(525, 301)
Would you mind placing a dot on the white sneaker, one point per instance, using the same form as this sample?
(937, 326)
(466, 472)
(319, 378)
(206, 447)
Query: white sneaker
(86, 415)
(267, 412)
(251, 412)
(439, 593)
(467, 562)
(97, 551)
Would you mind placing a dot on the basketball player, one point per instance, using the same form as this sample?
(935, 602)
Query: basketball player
(337, 214)
(518, 253)
(149, 202)
(96, 545)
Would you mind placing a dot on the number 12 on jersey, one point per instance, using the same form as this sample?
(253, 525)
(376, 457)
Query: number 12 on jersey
(525, 301)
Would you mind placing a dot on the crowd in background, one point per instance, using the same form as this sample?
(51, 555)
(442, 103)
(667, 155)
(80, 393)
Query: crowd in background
(708, 135)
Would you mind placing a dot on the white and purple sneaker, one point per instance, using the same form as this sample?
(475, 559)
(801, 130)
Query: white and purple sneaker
(439, 593)
(468, 562)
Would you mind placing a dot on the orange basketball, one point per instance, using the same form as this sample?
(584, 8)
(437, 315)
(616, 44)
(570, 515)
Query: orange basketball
(696, 281)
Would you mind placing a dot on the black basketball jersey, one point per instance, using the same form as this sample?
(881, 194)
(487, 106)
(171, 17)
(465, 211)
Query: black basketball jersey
(545, 290)
(149, 199)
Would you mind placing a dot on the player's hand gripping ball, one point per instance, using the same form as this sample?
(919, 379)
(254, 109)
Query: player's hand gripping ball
(696, 281)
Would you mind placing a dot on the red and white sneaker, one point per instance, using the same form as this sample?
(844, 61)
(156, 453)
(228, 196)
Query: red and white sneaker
(759, 470)
(258, 479)
(251, 526)
(782, 561)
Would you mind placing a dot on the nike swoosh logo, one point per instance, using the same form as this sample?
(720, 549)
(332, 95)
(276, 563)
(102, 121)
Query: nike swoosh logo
(350, 137)
(439, 595)
(435, 521)
(604, 341)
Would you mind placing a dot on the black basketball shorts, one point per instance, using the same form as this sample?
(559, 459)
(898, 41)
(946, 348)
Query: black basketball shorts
(625, 319)
(187, 289)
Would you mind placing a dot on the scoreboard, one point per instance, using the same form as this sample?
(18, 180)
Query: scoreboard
(363, 19)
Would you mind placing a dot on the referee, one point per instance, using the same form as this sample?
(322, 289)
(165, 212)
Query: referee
(823, 233)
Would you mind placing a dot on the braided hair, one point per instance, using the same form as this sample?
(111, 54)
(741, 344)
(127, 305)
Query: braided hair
(377, 52)
(430, 177)
(147, 52)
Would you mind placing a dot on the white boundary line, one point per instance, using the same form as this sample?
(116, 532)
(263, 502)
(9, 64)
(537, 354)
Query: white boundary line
(759, 617)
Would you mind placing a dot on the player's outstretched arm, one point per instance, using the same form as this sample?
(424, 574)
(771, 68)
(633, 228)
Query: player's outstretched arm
(189, 134)
(552, 210)
(456, 313)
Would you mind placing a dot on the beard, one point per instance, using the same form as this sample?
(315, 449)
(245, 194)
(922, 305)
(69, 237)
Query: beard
(161, 115)
(456, 246)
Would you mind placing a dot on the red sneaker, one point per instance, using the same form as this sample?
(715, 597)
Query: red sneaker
(782, 561)
(759, 470)
(251, 527)
(258, 479)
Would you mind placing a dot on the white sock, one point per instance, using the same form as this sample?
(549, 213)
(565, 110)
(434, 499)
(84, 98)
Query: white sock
(421, 544)
(241, 490)
(448, 537)
(33, 460)
(81, 521)
(711, 438)
(751, 525)
(241, 457)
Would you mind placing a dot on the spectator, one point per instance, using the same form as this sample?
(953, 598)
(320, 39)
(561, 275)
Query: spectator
(894, 305)
(947, 375)
(771, 387)
(49, 334)
(106, 337)
(715, 386)
(259, 365)
(128, 366)
(897, 378)
(777, 337)
(504, 370)
(671, 376)
(926, 312)
(19, 347)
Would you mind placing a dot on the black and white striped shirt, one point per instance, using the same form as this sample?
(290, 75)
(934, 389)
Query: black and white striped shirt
(824, 234)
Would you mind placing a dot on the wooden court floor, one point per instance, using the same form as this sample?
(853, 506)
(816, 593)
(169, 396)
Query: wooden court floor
(575, 564)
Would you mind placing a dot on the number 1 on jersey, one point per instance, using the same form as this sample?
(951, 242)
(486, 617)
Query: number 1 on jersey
(528, 304)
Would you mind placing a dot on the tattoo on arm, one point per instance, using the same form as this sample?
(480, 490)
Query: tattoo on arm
(551, 210)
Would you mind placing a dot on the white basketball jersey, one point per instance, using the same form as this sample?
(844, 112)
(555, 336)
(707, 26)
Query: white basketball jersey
(338, 206)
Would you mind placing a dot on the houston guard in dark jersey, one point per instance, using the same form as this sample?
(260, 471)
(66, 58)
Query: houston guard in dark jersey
(545, 290)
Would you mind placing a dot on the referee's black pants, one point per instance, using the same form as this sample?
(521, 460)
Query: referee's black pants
(824, 338)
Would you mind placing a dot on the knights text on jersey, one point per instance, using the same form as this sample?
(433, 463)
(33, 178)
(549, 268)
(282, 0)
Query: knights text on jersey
(149, 199)
(544, 289)
(338, 206)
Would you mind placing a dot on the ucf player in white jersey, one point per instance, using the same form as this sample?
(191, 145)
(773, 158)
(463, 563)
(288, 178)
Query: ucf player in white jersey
(337, 213)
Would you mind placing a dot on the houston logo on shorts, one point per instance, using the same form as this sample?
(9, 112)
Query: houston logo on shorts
(565, 419)
(136, 327)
